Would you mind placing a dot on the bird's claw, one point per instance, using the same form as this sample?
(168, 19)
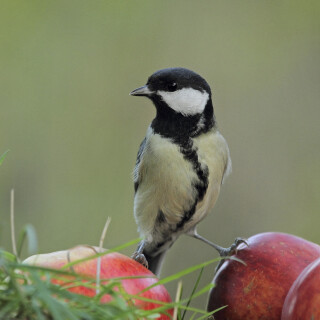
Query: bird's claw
(140, 257)
(226, 252)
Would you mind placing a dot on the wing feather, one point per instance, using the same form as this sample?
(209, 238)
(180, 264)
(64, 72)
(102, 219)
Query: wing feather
(136, 173)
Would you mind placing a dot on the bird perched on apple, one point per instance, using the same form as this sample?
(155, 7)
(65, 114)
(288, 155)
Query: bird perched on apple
(181, 164)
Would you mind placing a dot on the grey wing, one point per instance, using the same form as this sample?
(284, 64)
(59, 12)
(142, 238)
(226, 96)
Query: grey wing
(136, 179)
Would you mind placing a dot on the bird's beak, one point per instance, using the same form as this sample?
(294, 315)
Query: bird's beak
(142, 91)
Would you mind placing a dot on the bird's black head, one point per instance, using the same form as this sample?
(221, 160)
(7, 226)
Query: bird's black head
(182, 99)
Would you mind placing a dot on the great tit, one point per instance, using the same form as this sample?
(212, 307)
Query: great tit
(180, 166)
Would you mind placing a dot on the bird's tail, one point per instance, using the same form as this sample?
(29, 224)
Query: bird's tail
(155, 262)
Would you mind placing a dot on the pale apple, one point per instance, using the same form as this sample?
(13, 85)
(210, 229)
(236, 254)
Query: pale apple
(113, 265)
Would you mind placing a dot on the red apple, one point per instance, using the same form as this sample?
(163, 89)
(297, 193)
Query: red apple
(303, 299)
(257, 290)
(113, 265)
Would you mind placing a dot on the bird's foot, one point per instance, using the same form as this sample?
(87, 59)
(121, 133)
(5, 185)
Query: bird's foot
(223, 252)
(140, 257)
(227, 252)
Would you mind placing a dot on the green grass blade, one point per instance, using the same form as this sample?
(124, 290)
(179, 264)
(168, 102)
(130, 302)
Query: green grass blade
(193, 291)
(181, 274)
(7, 256)
(3, 156)
(210, 313)
(28, 232)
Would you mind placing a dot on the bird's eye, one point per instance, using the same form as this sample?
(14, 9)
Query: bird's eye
(172, 87)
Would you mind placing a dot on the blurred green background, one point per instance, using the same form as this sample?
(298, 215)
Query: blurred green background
(67, 68)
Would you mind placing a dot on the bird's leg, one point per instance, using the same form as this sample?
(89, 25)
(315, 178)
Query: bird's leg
(223, 252)
(139, 256)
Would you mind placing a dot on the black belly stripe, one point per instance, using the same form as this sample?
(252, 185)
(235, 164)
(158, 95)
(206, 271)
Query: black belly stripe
(201, 186)
(160, 218)
(202, 172)
(187, 215)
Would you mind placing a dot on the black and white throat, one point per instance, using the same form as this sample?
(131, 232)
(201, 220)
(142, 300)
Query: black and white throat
(182, 114)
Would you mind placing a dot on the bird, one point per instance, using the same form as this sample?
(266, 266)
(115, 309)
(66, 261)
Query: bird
(180, 165)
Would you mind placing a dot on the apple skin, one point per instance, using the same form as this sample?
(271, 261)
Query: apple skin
(303, 299)
(257, 290)
(113, 265)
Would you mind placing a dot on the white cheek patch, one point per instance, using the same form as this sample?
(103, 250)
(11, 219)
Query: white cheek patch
(187, 101)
